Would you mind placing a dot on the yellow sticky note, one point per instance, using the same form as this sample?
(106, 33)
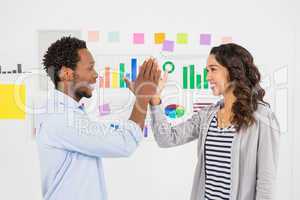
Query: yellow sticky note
(159, 38)
(12, 101)
(182, 38)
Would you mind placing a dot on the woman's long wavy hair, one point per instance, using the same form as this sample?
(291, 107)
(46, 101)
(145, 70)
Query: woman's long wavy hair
(244, 78)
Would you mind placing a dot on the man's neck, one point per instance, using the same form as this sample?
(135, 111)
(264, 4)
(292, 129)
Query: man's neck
(67, 91)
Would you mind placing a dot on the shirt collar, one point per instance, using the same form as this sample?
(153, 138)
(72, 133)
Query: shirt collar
(60, 98)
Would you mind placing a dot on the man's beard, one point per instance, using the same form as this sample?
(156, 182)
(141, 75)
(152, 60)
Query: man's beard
(81, 89)
(81, 92)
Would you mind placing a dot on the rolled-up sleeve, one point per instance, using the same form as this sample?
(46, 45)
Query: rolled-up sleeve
(167, 135)
(89, 137)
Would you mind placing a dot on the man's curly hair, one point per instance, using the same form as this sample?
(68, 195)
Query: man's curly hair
(63, 52)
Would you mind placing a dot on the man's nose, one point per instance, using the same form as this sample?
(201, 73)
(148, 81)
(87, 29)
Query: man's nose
(96, 74)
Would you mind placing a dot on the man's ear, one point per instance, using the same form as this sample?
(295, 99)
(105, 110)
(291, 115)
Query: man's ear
(66, 74)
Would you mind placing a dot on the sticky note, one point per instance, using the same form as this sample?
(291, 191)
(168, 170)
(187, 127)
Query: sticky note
(168, 45)
(159, 38)
(12, 101)
(113, 37)
(104, 109)
(205, 39)
(226, 40)
(93, 36)
(138, 38)
(182, 38)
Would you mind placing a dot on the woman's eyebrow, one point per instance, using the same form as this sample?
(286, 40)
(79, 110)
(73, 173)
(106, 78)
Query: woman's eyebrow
(212, 65)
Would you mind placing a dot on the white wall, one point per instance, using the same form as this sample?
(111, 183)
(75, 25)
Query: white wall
(266, 28)
(296, 110)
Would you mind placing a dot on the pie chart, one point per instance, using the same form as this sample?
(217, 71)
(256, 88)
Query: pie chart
(174, 111)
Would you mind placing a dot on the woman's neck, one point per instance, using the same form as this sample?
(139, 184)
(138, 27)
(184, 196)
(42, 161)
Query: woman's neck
(225, 114)
(229, 100)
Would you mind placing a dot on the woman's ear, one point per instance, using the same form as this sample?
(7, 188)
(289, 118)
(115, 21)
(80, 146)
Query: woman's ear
(66, 74)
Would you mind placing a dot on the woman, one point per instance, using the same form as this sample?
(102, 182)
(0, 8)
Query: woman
(238, 137)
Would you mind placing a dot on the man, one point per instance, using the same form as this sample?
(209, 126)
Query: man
(70, 145)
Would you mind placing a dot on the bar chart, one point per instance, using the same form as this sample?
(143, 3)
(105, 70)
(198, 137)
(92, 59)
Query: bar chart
(191, 80)
(188, 76)
(115, 78)
(15, 71)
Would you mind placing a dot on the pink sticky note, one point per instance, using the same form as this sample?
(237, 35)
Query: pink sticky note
(93, 36)
(226, 40)
(104, 109)
(205, 39)
(168, 45)
(138, 38)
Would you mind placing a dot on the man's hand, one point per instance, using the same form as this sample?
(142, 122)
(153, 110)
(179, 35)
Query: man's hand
(147, 83)
(144, 88)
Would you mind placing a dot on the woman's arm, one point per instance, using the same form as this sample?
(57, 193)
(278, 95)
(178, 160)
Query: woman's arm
(167, 135)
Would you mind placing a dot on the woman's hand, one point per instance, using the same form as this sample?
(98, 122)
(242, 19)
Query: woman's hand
(147, 83)
(155, 100)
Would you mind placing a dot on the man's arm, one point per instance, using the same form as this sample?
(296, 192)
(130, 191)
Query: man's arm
(96, 139)
(88, 137)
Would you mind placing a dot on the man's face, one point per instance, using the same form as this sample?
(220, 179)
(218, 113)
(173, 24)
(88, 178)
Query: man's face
(84, 75)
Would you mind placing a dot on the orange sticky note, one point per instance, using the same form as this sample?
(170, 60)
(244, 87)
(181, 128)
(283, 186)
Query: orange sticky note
(159, 38)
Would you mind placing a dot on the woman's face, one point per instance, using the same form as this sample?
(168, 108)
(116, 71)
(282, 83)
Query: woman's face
(217, 76)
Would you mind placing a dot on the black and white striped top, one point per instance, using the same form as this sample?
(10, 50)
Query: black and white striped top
(218, 161)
